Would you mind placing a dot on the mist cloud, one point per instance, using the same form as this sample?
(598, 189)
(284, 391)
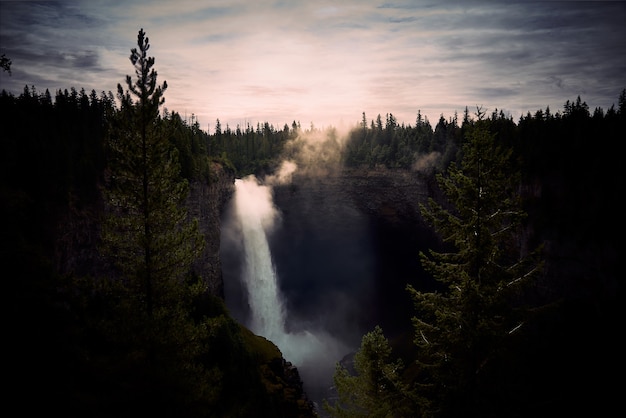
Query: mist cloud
(426, 162)
(283, 175)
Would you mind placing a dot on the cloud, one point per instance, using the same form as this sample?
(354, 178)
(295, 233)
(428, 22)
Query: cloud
(327, 61)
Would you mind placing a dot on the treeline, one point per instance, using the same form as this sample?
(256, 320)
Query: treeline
(537, 139)
(393, 145)
(63, 135)
(74, 125)
(53, 147)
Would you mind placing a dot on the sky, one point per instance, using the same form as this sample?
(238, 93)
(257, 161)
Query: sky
(326, 62)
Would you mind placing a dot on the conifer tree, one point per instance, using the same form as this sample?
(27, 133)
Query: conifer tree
(375, 387)
(461, 329)
(154, 242)
(148, 236)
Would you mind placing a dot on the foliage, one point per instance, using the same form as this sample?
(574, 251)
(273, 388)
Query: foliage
(191, 144)
(394, 145)
(375, 387)
(249, 150)
(461, 330)
(147, 232)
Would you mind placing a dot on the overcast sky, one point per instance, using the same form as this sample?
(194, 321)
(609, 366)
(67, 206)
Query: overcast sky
(326, 62)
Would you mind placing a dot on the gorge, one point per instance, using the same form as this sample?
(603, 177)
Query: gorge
(340, 250)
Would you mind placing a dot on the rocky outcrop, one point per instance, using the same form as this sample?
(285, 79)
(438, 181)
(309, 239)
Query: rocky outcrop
(205, 203)
(392, 195)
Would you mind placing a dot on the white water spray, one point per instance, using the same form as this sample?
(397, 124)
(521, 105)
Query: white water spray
(314, 352)
(253, 205)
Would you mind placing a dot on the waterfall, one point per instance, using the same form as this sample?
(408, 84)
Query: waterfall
(256, 214)
(313, 352)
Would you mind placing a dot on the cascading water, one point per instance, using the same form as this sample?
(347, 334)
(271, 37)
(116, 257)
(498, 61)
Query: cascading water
(256, 214)
(314, 352)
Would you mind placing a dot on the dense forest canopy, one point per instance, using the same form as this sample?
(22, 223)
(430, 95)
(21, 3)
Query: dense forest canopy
(373, 143)
(71, 333)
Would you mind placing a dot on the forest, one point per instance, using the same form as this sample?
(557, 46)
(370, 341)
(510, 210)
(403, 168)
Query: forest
(525, 321)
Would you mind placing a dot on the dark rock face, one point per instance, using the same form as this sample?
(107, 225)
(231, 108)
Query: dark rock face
(205, 203)
(77, 238)
(353, 234)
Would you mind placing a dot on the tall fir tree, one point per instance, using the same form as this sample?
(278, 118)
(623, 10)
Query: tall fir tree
(152, 243)
(462, 329)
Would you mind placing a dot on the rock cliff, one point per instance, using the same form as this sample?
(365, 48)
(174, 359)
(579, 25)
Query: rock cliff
(205, 202)
(357, 232)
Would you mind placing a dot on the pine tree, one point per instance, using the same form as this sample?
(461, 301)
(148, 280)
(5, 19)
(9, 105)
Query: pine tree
(461, 329)
(154, 243)
(375, 387)
(150, 240)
